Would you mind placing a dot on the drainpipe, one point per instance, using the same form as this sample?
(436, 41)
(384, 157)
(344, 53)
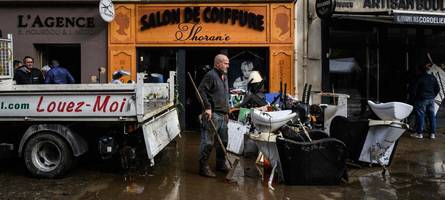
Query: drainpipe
(300, 47)
(305, 39)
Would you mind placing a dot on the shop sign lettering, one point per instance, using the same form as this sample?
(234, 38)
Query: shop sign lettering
(83, 105)
(55, 25)
(191, 31)
(420, 19)
(54, 22)
(405, 4)
(383, 5)
(101, 104)
(344, 4)
(207, 15)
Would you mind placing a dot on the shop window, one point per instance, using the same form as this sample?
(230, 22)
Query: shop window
(245, 60)
(387, 56)
(156, 63)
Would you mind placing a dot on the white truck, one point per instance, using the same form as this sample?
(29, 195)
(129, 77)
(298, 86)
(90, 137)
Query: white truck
(50, 126)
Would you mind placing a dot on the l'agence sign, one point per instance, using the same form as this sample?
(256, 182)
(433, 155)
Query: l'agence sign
(201, 24)
(30, 24)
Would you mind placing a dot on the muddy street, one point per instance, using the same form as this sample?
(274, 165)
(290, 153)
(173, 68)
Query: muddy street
(417, 172)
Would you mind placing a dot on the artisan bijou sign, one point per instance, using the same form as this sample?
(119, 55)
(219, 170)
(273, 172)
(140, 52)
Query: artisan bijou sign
(379, 5)
(197, 15)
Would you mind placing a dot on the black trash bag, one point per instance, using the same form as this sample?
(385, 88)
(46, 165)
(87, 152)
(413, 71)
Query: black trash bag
(320, 162)
(351, 132)
(302, 110)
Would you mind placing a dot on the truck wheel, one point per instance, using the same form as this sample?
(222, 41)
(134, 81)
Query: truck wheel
(47, 156)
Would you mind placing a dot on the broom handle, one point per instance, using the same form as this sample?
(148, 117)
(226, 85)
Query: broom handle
(304, 130)
(211, 121)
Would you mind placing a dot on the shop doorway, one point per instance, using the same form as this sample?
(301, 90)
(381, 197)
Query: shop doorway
(68, 56)
(378, 62)
(242, 61)
(197, 61)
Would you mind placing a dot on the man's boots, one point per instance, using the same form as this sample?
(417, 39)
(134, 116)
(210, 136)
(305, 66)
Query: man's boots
(206, 171)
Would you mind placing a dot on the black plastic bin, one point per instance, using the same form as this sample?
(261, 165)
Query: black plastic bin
(351, 132)
(320, 162)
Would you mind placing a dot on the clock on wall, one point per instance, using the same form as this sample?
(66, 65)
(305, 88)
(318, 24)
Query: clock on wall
(106, 10)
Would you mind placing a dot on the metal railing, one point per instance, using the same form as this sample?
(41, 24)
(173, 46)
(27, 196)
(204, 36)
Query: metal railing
(6, 55)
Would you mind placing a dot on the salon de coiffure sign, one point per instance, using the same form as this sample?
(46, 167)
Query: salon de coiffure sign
(201, 24)
(422, 12)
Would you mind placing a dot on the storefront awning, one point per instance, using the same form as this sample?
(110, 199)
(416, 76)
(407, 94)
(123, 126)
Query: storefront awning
(380, 18)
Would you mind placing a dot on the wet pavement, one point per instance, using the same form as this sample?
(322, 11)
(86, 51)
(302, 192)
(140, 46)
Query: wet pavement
(417, 172)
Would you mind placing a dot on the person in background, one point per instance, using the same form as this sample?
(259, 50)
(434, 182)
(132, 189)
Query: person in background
(214, 90)
(241, 82)
(58, 74)
(28, 74)
(424, 90)
(45, 70)
(17, 64)
(117, 75)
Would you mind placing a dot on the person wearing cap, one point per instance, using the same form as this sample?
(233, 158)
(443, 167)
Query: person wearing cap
(117, 75)
(255, 97)
(424, 90)
(214, 90)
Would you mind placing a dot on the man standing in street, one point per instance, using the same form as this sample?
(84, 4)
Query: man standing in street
(27, 74)
(214, 91)
(425, 90)
(58, 74)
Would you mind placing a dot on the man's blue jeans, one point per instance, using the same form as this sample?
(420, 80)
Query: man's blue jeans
(208, 139)
(423, 107)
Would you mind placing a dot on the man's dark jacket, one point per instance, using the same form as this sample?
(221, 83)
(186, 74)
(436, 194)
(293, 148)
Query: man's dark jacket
(425, 87)
(215, 91)
(24, 76)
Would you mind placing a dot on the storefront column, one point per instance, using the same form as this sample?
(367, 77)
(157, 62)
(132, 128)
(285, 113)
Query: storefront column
(281, 68)
(122, 58)
(181, 78)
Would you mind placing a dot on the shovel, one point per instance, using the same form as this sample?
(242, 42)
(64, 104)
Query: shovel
(233, 165)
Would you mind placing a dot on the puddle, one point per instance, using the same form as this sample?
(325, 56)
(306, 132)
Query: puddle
(134, 188)
(417, 172)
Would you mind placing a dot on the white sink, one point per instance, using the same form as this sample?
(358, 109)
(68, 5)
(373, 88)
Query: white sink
(270, 121)
(391, 111)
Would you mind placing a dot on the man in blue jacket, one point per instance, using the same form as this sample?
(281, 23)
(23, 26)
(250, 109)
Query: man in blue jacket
(425, 89)
(58, 74)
